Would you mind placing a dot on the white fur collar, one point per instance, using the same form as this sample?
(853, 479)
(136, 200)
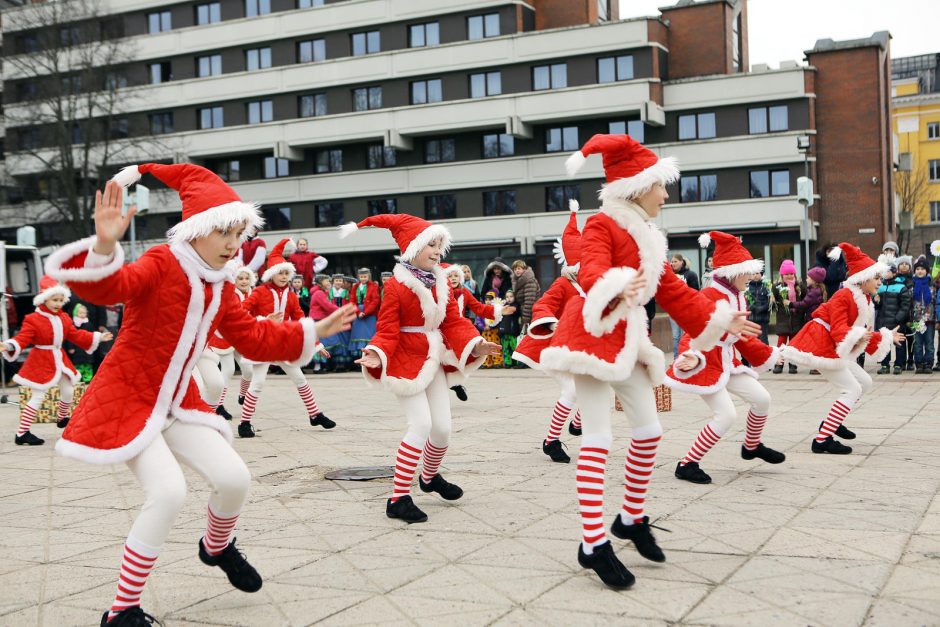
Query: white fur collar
(738, 301)
(433, 312)
(865, 306)
(649, 239)
(192, 262)
(58, 333)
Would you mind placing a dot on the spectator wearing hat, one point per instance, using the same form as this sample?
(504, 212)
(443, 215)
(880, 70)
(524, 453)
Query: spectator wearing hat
(788, 289)
(922, 312)
(892, 309)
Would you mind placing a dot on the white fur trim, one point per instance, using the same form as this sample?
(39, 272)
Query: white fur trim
(345, 230)
(467, 353)
(649, 239)
(866, 308)
(517, 356)
(679, 374)
(272, 270)
(573, 205)
(664, 171)
(17, 349)
(95, 341)
(846, 348)
(812, 361)
(319, 263)
(884, 346)
(56, 260)
(574, 163)
(453, 269)
(127, 176)
(221, 217)
(409, 387)
(310, 345)
(608, 287)
(498, 305)
(432, 312)
(204, 418)
(750, 266)
(877, 269)
(770, 362)
(425, 237)
(535, 324)
(717, 326)
(704, 240)
(46, 294)
(835, 253)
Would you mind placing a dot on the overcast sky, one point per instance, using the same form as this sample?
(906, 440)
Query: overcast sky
(783, 29)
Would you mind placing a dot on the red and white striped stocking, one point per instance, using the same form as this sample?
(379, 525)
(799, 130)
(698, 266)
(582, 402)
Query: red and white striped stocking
(576, 421)
(707, 438)
(27, 416)
(244, 387)
(222, 397)
(63, 410)
(559, 416)
(755, 426)
(592, 460)
(248, 408)
(406, 463)
(638, 469)
(433, 456)
(219, 531)
(837, 414)
(306, 395)
(135, 567)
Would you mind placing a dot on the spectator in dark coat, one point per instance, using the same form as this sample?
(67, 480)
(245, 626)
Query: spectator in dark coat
(893, 309)
(497, 278)
(835, 269)
(105, 318)
(526, 289)
(758, 303)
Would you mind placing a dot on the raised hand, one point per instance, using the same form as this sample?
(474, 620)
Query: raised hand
(325, 354)
(107, 336)
(339, 320)
(369, 359)
(483, 349)
(742, 327)
(110, 225)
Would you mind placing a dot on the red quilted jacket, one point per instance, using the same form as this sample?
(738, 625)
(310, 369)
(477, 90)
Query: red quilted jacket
(46, 331)
(169, 312)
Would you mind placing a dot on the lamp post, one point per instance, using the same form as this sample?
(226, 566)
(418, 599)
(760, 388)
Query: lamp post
(141, 200)
(804, 194)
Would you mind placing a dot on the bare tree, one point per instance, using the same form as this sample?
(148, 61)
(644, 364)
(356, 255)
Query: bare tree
(911, 188)
(71, 125)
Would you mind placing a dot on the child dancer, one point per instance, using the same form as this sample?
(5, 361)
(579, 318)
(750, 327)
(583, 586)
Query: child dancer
(718, 373)
(839, 331)
(320, 307)
(275, 300)
(365, 297)
(417, 318)
(143, 407)
(602, 340)
(545, 314)
(47, 364)
(338, 345)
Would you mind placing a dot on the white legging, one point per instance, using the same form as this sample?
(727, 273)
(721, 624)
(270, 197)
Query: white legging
(259, 373)
(212, 380)
(428, 412)
(852, 382)
(635, 394)
(158, 470)
(745, 387)
(66, 393)
(567, 395)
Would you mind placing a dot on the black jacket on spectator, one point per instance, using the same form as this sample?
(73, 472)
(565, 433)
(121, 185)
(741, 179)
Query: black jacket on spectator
(759, 299)
(835, 270)
(690, 278)
(893, 308)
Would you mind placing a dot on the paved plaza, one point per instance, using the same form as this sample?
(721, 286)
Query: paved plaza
(818, 540)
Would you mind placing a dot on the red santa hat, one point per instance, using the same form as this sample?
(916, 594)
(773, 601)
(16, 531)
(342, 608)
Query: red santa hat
(208, 202)
(730, 259)
(630, 167)
(276, 260)
(452, 269)
(49, 287)
(567, 248)
(861, 266)
(252, 276)
(411, 233)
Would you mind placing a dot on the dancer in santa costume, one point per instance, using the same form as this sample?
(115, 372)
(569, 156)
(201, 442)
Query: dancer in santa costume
(47, 364)
(418, 324)
(252, 253)
(602, 340)
(143, 407)
(545, 315)
(274, 300)
(217, 364)
(842, 329)
(718, 374)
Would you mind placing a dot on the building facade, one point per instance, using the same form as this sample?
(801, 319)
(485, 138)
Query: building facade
(325, 112)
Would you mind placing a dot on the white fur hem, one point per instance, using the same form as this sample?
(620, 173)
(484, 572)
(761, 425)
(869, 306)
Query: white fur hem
(717, 326)
(271, 271)
(813, 361)
(538, 322)
(310, 343)
(608, 287)
(679, 374)
(884, 346)
(664, 171)
(771, 361)
(95, 341)
(531, 363)
(409, 387)
(877, 269)
(17, 349)
(132, 449)
(691, 388)
(73, 377)
(221, 218)
(206, 419)
(81, 275)
(846, 348)
(55, 290)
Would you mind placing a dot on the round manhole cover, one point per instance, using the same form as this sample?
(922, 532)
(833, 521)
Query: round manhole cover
(361, 474)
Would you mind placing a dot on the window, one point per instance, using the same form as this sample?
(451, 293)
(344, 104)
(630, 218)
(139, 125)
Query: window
(254, 8)
(380, 156)
(420, 35)
(160, 72)
(376, 207)
(480, 26)
(260, 111)
(76, 133)
(311, 105)
(561, 139)
(276, 218)
(439, 150)
(698, 188)
(330, 160)
(72, 84)
(161, 123)
(118, 128)
(210, 65)
(208, 13)
(257, 58)
(313, 50)
(229, 170)
(499, 203)
(736, 44)
(307, 4)
(115, 80)
(550, 76)
(498, 145)
(443, 207)
(275, 168)
(366, 43)
(934, 211)
(159, 22)
(29, 138)
(633, 128)
(933, 168)
(27, 90)
(210, 117)
(762, 119)
(557, 196)
(365, 98)
(770, 183)
(27, 43)
(610, 69)
(933, 130)
(701, 126)
(329, 213)
(485, 84)
(68, 36)
(423, 92)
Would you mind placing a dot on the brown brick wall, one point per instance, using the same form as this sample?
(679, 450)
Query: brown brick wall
(559, 13)
(698, 40)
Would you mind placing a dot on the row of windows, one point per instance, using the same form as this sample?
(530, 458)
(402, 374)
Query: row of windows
(761, 120)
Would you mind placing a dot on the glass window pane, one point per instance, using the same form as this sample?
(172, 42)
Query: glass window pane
(540, 77)
(267, 110)
(448, 150)
(706, 125)
(780, 183)
(636, 130)
(265, 57)
(625, 68)
(374, 43)
(360, 99)
(216, 63)
(509, 203)
(477, 85)
(688, 188)
(432, 151)
(432, 33)
(606, 70)
(686, 127)
(559, 75)
(757, 120)
(251, 59)
(708, 187)
(435, 91)
(555, 198)
(507, 145)
(217, 117)
(491, 27)
(153, 23)
(320, 104)
(390, 155)
(165, 20)
(358, 44)
(490, 146)
(489, 203)
(494, 86)
(475, 27)
(760, 184)
(419, 92)
(779, 118)
(617, 128)
(417, 36)
(553, 140)
(570, 135)
(375, 97)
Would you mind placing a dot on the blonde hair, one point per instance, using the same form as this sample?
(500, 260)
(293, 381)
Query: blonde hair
(519, 263)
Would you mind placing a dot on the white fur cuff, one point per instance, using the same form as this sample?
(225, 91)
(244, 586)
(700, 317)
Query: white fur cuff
(547, 331)
(468, 352)
(310, 343)
(678, 374)
(884, 345)
(717, 326)
(95, 341)
(498, 311)
(610, 286)
(87, 274)
(15, 347)
(846, 348)
(771, 361)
